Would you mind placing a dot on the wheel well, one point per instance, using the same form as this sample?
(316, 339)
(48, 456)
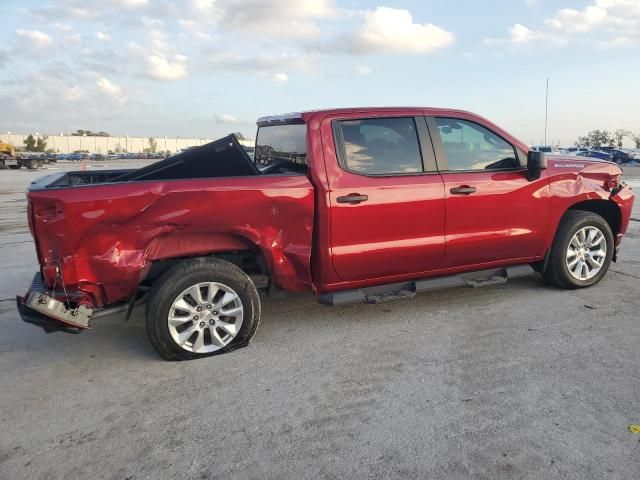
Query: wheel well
(251, 262)
(607, 209)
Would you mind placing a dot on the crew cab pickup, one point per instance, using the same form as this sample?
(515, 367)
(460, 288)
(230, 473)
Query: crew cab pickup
(353, 205)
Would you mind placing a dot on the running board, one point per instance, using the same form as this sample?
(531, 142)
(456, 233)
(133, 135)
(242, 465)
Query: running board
(395, 291)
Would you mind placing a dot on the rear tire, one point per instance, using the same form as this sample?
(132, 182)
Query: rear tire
(32, 164)
(581, 252)
(182, 333)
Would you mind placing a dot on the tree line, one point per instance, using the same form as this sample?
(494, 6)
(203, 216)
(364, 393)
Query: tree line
(605, 138)
(33, 145)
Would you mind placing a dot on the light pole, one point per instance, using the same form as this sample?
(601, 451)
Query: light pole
(546, 112)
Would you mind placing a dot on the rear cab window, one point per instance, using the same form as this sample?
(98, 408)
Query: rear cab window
(282, 145)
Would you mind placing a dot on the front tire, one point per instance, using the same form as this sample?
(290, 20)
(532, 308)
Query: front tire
(202, 307)
(581, 252)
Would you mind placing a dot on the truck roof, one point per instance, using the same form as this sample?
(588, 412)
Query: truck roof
(302, 116)
(318, 115)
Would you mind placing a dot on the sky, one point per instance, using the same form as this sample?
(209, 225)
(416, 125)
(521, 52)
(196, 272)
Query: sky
(209, 67)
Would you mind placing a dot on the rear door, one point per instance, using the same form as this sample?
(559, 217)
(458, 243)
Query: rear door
(387, 203)
(494, 213)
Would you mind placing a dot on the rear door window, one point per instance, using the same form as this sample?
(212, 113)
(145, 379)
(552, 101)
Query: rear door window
(380, 146)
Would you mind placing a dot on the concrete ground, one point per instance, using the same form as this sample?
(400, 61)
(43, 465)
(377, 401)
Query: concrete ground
(513, 381)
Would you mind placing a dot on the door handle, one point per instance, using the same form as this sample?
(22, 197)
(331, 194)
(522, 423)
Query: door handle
(354, 198)
(463, 190)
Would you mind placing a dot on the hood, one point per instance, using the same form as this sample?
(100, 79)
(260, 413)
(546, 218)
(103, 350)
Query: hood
(570, 163)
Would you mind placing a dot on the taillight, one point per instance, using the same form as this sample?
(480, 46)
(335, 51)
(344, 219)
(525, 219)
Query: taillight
(47, 210)
(30, 216)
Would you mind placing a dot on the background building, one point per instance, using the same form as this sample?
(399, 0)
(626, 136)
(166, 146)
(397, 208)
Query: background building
(63, 143)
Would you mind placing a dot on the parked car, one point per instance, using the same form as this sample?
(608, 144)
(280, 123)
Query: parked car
(597, 154)
(573, 150)
(353, 205)
(624, 155)
(542, 148)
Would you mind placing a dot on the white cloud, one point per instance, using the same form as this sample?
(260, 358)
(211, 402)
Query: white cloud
(265, 66)
(133, 3)
(103, 37)
(195, 29)
(111, 89)
(282, 18)
(364, 70)
(279, 77)
(163, 67)
(521, 34)
(225, 118)
(618, 20)
(392, 30)
(34, 39)
(158, 55)
(74, 38)
(63, 27)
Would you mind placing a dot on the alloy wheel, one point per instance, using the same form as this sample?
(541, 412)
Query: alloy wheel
(205, 317)
(586, 253)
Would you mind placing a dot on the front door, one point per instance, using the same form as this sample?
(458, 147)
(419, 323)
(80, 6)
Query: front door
(494, 213)
(387, 200)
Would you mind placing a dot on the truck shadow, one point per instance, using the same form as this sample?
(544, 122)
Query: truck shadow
(286, 320)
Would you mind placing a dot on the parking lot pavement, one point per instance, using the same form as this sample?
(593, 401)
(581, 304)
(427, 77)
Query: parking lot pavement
(512, 381)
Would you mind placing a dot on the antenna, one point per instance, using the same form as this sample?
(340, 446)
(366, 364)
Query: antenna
(546, 113)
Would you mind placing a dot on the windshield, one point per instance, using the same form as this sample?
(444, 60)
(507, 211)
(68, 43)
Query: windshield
(282, 144)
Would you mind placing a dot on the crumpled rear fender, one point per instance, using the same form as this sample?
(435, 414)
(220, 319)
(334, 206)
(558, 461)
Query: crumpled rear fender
(104, 238)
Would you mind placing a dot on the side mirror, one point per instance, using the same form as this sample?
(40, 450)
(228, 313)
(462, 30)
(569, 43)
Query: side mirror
(536, 162)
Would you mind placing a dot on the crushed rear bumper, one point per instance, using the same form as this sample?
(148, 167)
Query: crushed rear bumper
(39, 308)
(48, 324)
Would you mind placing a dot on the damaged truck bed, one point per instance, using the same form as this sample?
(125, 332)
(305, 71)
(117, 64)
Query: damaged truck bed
(98, 234)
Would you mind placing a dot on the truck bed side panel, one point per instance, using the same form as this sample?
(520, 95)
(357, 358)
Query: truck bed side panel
(104, 238)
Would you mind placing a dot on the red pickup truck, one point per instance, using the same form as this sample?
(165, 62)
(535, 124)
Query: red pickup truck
(354, 205)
